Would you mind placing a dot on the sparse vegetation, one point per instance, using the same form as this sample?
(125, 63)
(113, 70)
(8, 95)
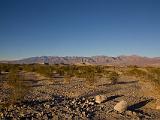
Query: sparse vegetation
(17, 85)
(139, 73)
(89, 73)
(114, 76)
(90, 78)
(67, 79)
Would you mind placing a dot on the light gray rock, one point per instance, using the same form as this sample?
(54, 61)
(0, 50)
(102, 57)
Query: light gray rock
(121, 106)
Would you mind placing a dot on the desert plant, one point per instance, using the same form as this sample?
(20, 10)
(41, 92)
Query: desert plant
(90, 78)
(67, 79)
(114, 76)
(19, 88)
(136, 73)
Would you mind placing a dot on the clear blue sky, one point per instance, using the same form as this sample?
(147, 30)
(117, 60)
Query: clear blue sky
(79, 28)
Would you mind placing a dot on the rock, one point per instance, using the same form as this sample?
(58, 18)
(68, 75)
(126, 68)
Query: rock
(83, 113)
(134, 113)
(47, 106)
(55, 117)
(45, 117)
(91, 103)
(1, 115)
(130, 113)
(121, 106)
(21, 114)
(37, 115)
(11, 107)
(158, 107)
(100, 98)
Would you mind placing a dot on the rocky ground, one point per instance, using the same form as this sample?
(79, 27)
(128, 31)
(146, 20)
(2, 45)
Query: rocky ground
(52, 99)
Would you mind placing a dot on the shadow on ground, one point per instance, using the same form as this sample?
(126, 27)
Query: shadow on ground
(130, 82)
(99, 92)
(139, 105)
(109, 84)
(113, 97)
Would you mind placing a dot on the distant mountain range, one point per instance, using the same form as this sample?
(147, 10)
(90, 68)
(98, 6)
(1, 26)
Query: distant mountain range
(94, 60)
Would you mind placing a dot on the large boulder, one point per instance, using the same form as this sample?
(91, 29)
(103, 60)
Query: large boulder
(158, 107)
(121, 106)
(100, 98)
(158, 104)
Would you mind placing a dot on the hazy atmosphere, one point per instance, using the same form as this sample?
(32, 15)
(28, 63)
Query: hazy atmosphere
(79, 28)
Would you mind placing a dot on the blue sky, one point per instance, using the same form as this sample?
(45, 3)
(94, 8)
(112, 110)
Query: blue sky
(79, 28)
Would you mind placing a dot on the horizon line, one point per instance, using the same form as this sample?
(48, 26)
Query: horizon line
(78, 56)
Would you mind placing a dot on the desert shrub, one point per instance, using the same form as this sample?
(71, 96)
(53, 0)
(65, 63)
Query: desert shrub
(19, 88)
(61, 72)
(107, 73)
(90, 79)
(154, 76)
(114, 76)
(29, 68)
(44, 70)
(136, 73)
(8, 67)
(155, 72)
(67, 79)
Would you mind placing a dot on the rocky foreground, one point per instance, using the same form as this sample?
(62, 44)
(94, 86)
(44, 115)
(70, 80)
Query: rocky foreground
(60, 107)
(49, 100)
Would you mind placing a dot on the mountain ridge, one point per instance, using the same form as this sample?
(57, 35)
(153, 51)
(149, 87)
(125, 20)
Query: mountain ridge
(121, 60)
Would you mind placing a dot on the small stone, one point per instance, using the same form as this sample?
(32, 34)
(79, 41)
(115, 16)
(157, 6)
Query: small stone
(21, 114)
(47, 106)
(55, 117)
(100, 98)
(91, 103)
(10, 107)
(14, 119)
(1, 115)
(83, 113)
(129, 113)
(45, 117)
(134, 113)
(86, 102)
(83, 99)
(121, 106)
(37, 115)
(76, 118)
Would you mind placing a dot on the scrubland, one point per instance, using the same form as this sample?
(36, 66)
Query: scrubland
(71, 92)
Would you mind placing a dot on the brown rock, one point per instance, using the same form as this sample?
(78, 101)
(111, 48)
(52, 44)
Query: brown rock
(121, 106)
(100, 98)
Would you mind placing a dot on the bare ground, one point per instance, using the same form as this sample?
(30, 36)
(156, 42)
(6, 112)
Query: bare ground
(54, 99)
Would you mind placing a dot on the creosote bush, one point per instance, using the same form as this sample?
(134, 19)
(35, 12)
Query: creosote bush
(136, 72)
(90, 78)
(114, 76)
(67, 79)
(19, 88)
